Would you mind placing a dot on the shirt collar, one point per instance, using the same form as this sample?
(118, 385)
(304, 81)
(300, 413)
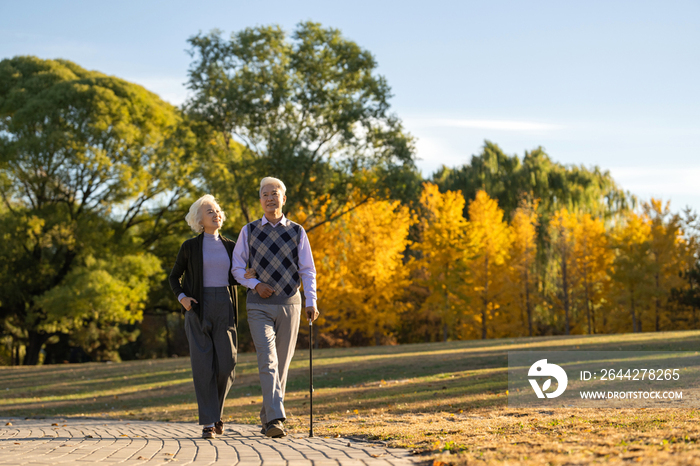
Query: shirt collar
(283, 221)
(214, 236)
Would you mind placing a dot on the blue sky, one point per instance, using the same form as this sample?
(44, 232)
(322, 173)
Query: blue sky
(608, 83)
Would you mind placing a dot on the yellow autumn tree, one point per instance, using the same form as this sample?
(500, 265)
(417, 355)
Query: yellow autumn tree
(667, 248)
(632, 272)
(489, 240)
(592, 257)
(443, 252)
(562, 229)
(523, 254)
(361, 275)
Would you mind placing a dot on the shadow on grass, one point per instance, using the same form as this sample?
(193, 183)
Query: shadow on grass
(407, 378)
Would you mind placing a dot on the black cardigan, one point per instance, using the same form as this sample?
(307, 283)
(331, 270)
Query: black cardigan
(190, 262)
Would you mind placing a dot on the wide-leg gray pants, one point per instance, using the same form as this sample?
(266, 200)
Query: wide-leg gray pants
(213, 353)
(274, 328)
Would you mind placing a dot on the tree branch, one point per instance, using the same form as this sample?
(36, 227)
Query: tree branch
(333, 218)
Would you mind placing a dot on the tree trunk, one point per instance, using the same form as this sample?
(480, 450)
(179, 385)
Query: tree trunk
(692, 293)
(15, 353)
(485, 299)
(634, 317)
(238, 186)
(565, 286)
(605, 322)
(446, 313)
(35, 342)
(656, 302)
(527, 302)
(588, 311)
(168, 342)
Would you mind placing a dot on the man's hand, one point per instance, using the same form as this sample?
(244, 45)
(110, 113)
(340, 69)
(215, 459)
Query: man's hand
(187, 302)
(264, 290)
(311, 313)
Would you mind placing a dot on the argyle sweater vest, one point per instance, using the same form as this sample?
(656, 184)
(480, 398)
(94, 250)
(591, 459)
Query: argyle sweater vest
(274, 254)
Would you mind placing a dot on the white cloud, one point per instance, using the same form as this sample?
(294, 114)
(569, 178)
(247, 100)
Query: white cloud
(434, 152)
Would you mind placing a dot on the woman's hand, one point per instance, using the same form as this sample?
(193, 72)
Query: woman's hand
(187, 302)
(250, 273)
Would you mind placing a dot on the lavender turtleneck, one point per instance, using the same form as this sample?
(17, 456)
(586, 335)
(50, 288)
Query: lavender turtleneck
(216, 262)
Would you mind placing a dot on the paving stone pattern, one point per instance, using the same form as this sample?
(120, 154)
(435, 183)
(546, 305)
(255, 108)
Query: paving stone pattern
(89, 441)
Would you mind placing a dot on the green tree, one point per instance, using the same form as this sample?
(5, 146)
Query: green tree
(508, 178)
(309, 109)
(687, 296)
(91, 166)
(93, 299)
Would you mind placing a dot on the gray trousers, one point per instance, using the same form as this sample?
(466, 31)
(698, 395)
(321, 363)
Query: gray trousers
(213, 343)
(274, 328)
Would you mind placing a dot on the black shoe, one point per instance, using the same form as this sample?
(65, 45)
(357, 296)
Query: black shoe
(263, 430)
(219, 428)
(208, 432)
(275, 429)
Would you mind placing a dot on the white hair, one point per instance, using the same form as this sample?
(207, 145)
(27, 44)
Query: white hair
(270, 180)
(194, 216)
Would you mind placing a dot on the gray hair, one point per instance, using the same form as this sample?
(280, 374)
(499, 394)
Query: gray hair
(194, 216)
(270, 180)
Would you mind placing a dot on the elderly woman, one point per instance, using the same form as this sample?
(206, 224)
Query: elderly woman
(208, 297)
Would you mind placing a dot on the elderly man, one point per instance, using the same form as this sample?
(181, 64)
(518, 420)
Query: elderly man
(279, 252)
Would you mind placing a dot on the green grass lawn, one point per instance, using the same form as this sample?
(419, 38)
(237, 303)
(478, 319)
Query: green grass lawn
(431, 397)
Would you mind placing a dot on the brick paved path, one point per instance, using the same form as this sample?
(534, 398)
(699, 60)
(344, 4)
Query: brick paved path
(86, 441)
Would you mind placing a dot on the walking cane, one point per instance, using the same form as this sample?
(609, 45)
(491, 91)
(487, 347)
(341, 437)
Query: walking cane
(311, 378)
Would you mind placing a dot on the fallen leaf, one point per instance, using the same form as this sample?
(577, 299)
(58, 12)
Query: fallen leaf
(17, 443)
(54, 424)
(377, 455)
(8, 424)
(89, 436)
